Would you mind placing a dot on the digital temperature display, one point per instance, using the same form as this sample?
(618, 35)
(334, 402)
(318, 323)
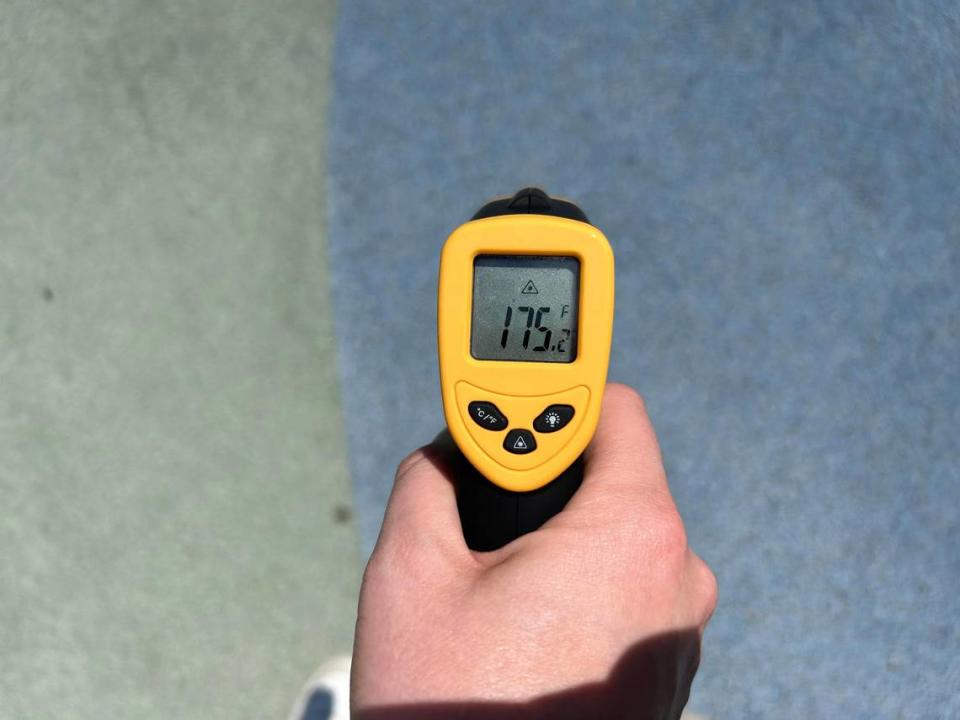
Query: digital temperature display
(525, 308)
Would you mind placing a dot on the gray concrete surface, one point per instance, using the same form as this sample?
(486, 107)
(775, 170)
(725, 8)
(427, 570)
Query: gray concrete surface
(175, 528)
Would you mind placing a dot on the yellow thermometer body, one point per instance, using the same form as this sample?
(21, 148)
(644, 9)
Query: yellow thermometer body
(524, 322)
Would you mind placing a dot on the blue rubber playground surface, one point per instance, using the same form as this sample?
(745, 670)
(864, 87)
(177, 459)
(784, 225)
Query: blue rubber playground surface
(781, 185)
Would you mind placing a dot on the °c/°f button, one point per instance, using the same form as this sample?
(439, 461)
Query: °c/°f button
(519, 442)
(487, 415)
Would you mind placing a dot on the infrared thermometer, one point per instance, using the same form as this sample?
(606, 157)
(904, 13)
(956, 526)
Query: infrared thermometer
(524, 325)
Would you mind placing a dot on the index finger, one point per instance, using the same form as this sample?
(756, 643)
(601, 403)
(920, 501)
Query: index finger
(422, 508)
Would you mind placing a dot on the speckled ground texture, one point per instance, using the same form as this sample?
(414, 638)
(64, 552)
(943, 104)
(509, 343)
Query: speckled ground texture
(780, 183)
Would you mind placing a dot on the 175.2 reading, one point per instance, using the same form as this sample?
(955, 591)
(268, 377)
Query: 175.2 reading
(535, 320)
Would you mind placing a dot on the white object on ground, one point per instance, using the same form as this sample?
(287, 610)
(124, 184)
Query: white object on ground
(332, 678)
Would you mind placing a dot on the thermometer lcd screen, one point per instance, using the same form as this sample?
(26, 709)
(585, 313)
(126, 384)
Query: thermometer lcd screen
(525, 308)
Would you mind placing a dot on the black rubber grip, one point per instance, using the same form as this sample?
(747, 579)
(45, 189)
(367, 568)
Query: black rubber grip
(491, 517)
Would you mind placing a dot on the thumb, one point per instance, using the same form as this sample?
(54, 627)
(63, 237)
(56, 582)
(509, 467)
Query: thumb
(421, 513)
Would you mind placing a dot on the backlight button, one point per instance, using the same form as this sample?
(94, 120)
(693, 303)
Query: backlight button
(555, 417)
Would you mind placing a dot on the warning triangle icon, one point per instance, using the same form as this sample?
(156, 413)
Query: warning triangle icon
(520, 443)
(529, 289)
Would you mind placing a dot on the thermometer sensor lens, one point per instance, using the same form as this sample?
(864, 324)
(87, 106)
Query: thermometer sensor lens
(525, 308)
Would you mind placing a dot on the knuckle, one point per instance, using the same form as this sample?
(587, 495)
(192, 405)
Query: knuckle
(375, 573)
(711, 591)
(410, 462)
(668, 533)
(709, 588)
(659, 539)
(627, 394)
(391, 563)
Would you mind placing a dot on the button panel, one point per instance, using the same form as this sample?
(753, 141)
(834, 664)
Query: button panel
(519, 442)
(487, 415)
(553, 418)
(519, 412)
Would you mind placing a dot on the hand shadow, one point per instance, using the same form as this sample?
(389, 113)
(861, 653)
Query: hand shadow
(650, 682)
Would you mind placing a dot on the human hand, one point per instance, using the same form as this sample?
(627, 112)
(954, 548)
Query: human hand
(599, 613)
